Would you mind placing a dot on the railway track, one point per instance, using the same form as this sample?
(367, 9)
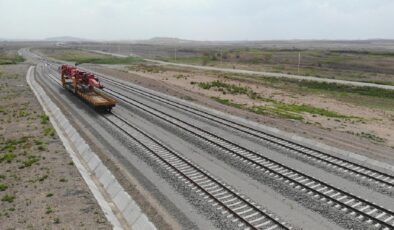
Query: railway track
(221, 196)
(355, 206)
(224, 198)
(339, 164)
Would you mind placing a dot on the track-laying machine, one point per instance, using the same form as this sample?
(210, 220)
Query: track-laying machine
(86, 86)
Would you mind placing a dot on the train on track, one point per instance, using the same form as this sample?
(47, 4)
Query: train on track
(86, 86)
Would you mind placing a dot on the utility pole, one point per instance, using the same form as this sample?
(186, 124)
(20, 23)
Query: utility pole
(299, 62)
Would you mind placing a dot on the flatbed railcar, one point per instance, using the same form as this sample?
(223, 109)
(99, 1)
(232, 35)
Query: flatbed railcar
(87, 87)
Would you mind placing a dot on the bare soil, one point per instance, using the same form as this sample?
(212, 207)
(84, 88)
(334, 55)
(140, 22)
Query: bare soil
(40, 188)
(357, 135)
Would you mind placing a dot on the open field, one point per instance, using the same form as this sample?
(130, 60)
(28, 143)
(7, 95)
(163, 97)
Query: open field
(40, 188)
(364, 66)
(364, 61)
(9, 56)
(80, 57)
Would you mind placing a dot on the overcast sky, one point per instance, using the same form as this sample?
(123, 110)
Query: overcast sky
(198, 19)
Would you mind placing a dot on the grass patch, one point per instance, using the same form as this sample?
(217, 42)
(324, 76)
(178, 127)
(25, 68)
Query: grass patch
(3, 187)
(228, 102)
(229, 88)
(8, 198)
(294, 108)
(371, 137)
(282, 110)
(275, 112)
(38, 142)
(44, 119)
(48, 131)
(43, 178)
(364, 91)
(10, 59)
(8, 157)
(49, 210)
(11, 144)
(80, 57)
(30, 161)
(107, 60)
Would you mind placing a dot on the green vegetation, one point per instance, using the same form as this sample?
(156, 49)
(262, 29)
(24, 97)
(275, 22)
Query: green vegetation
(49, 210)
(275, 112)
(353, 65)
(29, 162)
(294, 108)
(365, 91)
(56, 220)
(272, 107)
(3, 187)
(283, 110)
(48, 131)
(8, 198)
(8, 157)
(106, 60)
(11, 144)
(44, 119)
(228, 102)
(141, 67)
(10, 59)
(229, 88)
(364, 96)
(371, 137)
(80, 57)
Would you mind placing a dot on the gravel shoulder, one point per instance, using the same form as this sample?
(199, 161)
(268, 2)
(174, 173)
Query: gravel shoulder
(40, 188)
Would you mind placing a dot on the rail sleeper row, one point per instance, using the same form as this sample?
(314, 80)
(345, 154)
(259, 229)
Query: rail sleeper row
(335, 162)
(342, 200)
(226, 200)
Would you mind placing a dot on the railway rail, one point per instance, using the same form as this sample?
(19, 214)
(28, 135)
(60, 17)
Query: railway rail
(365, 210)
(223, 197)
(353, 205)
(334, 162)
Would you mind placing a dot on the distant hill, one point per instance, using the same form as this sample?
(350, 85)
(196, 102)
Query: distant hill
(66, 39)
(167, 40)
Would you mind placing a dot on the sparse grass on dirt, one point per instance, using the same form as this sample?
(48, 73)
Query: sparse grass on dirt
(32, 161)
(10, 57)
(363, 96)
(364, 66)
(272, 107)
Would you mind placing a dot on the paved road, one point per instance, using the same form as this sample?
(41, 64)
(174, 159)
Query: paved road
(261, 73)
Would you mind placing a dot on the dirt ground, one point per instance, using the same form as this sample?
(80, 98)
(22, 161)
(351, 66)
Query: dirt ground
(40, 188)
(369, 134)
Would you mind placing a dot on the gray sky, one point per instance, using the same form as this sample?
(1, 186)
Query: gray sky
(198, 19)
